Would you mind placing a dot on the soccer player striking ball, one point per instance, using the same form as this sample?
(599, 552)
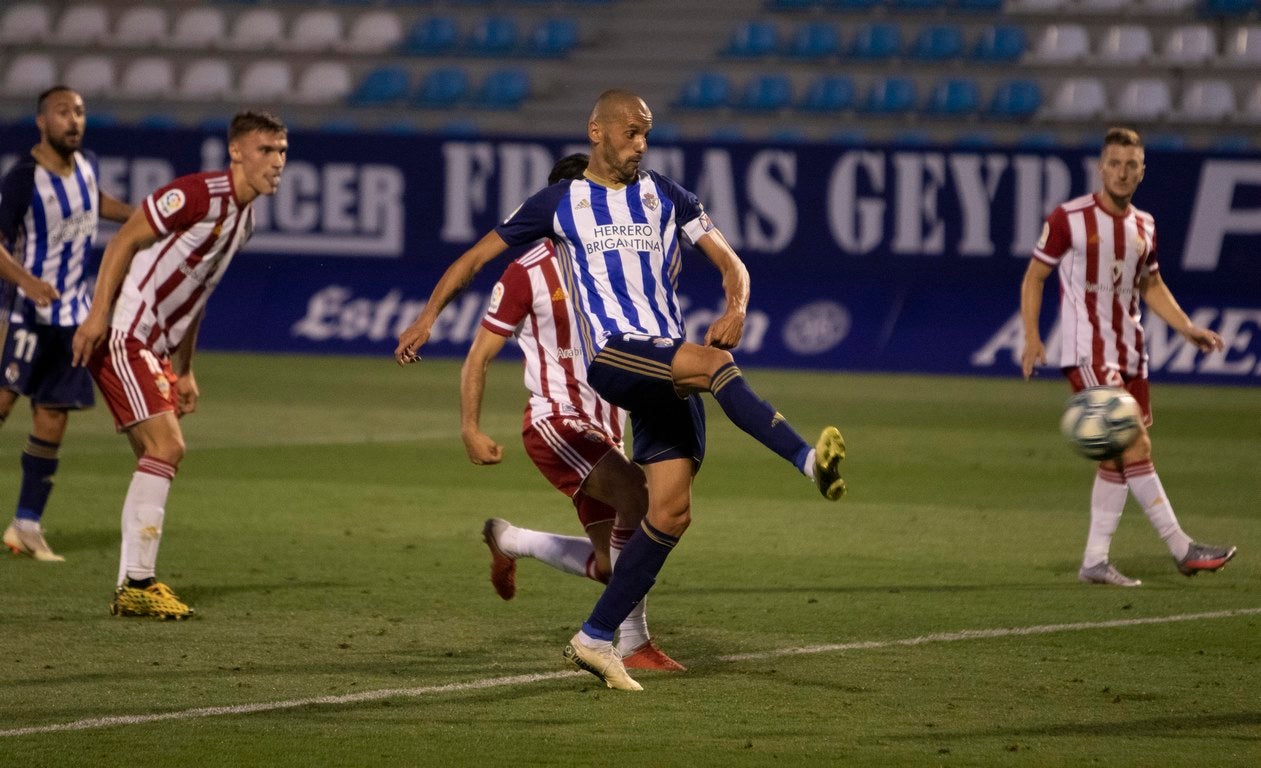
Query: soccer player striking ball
(617, 234)
(1105, 249)
(571, 434)
(50, 204)
(156, 276)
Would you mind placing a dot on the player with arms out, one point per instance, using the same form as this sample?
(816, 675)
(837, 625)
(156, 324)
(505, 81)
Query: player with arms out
(618, 235)
(50, 203)
(571, 435)
(156, 276)
(1105, 250)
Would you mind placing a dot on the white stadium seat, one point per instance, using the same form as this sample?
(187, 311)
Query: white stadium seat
(1062, 44)
(148, 78)
(90, 75)
(319, 30)
(1252, 107)
(82, 25)
(207, 80)
(1145, 99)
(141, 26)
(29, 74)
(375, 32)
(324, 82)
(1207, 101)
(1081, 98)
(258, 29)
(26, 23)
(1243, 47)
(199, 28)
(1125, 44)
(1190, 45)
(267, 80)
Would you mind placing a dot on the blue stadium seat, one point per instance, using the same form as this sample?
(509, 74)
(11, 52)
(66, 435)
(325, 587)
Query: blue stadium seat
(938, 42)
(705, 90)
(828, 93)
(1016, 99)
(443, 88)
(381, 86)
(1228, 7)
(766, 93)
(917, 5)
(891, 96)
(752, 39)
(493, 36)
(877, 41)
(851, 5)
(433, 36)
(814, 40)
(995, 6)
(504, 89)
(954, 97)
(1000, 43)
(554, 38)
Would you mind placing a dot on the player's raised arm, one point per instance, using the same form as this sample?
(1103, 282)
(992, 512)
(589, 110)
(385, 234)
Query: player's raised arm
(453, 281)
(726, 331)
(136, 234)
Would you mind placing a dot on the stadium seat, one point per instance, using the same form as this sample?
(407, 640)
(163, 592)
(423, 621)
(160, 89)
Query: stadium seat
(851, 5)
(1125, 44)
(373, 33)
(324, 82)
(1015, 100)
(705, 90)
(1079, 98)
(828, 93)
(1206, 101)
(1169, 7)
(938, 42)
(1243, 47)
(1062, 44)
(150, 77)
(752, 39)
(766, 93)
(954, 97)
(91, 75)
(891, 96)
(432, 36)
(1111, 7)
(266, 80)
(316, 30)
(208, 79)
(443, 88)
(877, 41)
(916, 5)
(199, 28)
(1035, 6)
(257, 29)
(1000, 43)
(1252, 107)
(504, 89)
(814, 40)
(1228, 7)
(380, 87)
(493, 36)
(553, 38)
(82, 25)
(1190, 45)
(1144, 99)
(26, 23)
(141, 26)
(993, 6)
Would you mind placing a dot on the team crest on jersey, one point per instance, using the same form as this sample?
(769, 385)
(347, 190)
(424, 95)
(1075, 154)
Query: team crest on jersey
(1046, 234)
(170, 202)
(583, 205)
(496, 296)
(650, 201)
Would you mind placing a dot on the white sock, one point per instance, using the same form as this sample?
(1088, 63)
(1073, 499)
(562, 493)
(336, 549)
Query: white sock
(23, 524)
(809, 470)
(591, 642)
(143, 512)
(633, 632)
(570, 554)
(1145, 485)
(1107, 502)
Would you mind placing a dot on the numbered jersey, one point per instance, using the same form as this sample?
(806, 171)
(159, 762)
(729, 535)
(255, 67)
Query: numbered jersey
(1101, 259)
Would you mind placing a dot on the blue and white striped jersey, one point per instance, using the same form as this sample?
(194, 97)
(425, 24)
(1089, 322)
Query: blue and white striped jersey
(618, 248)
(48, 222)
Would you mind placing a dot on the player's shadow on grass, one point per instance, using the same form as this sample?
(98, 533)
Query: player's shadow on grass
(82, 540)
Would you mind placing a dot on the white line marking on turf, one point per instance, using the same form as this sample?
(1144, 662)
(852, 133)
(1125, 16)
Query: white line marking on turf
(504, 682)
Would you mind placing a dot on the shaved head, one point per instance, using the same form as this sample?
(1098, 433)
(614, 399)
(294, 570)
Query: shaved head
(614, 102)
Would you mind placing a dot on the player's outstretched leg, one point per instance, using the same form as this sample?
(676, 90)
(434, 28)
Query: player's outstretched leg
(1203, 557)
(829, 452)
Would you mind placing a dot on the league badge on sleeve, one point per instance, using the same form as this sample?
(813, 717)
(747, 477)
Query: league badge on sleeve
(170, 202)
(496, 296)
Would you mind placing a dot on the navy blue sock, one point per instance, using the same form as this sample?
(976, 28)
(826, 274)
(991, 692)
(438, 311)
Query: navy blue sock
(636, 572)
(39, 464)
(756, 416)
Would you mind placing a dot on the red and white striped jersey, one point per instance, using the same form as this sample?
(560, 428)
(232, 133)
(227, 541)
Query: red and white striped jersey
(530, 301)
(200, 227)
(1101, 260)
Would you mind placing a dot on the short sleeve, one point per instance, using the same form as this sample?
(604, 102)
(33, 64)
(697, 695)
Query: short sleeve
(15, 198)
(534, 219)
(689, 214)
(510, 301)
(178, 205)
(1055, 239)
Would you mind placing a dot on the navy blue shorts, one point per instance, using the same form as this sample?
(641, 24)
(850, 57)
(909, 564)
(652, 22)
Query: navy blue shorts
(36, 364)
(632, 371)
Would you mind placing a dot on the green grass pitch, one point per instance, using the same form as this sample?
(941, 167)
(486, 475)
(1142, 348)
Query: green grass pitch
(326, 526)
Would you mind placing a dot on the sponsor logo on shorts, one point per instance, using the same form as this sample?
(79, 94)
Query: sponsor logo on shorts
(12, 372)
(164, 386)
(662, 343)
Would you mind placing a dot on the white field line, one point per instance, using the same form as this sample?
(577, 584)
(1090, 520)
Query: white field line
(522, 680)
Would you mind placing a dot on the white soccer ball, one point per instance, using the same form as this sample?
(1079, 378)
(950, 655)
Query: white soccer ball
(1101, 422)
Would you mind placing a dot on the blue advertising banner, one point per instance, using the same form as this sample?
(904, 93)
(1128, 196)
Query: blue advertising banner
(862, 258)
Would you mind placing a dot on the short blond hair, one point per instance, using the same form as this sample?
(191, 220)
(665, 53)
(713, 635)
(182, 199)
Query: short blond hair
(1122, 137)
